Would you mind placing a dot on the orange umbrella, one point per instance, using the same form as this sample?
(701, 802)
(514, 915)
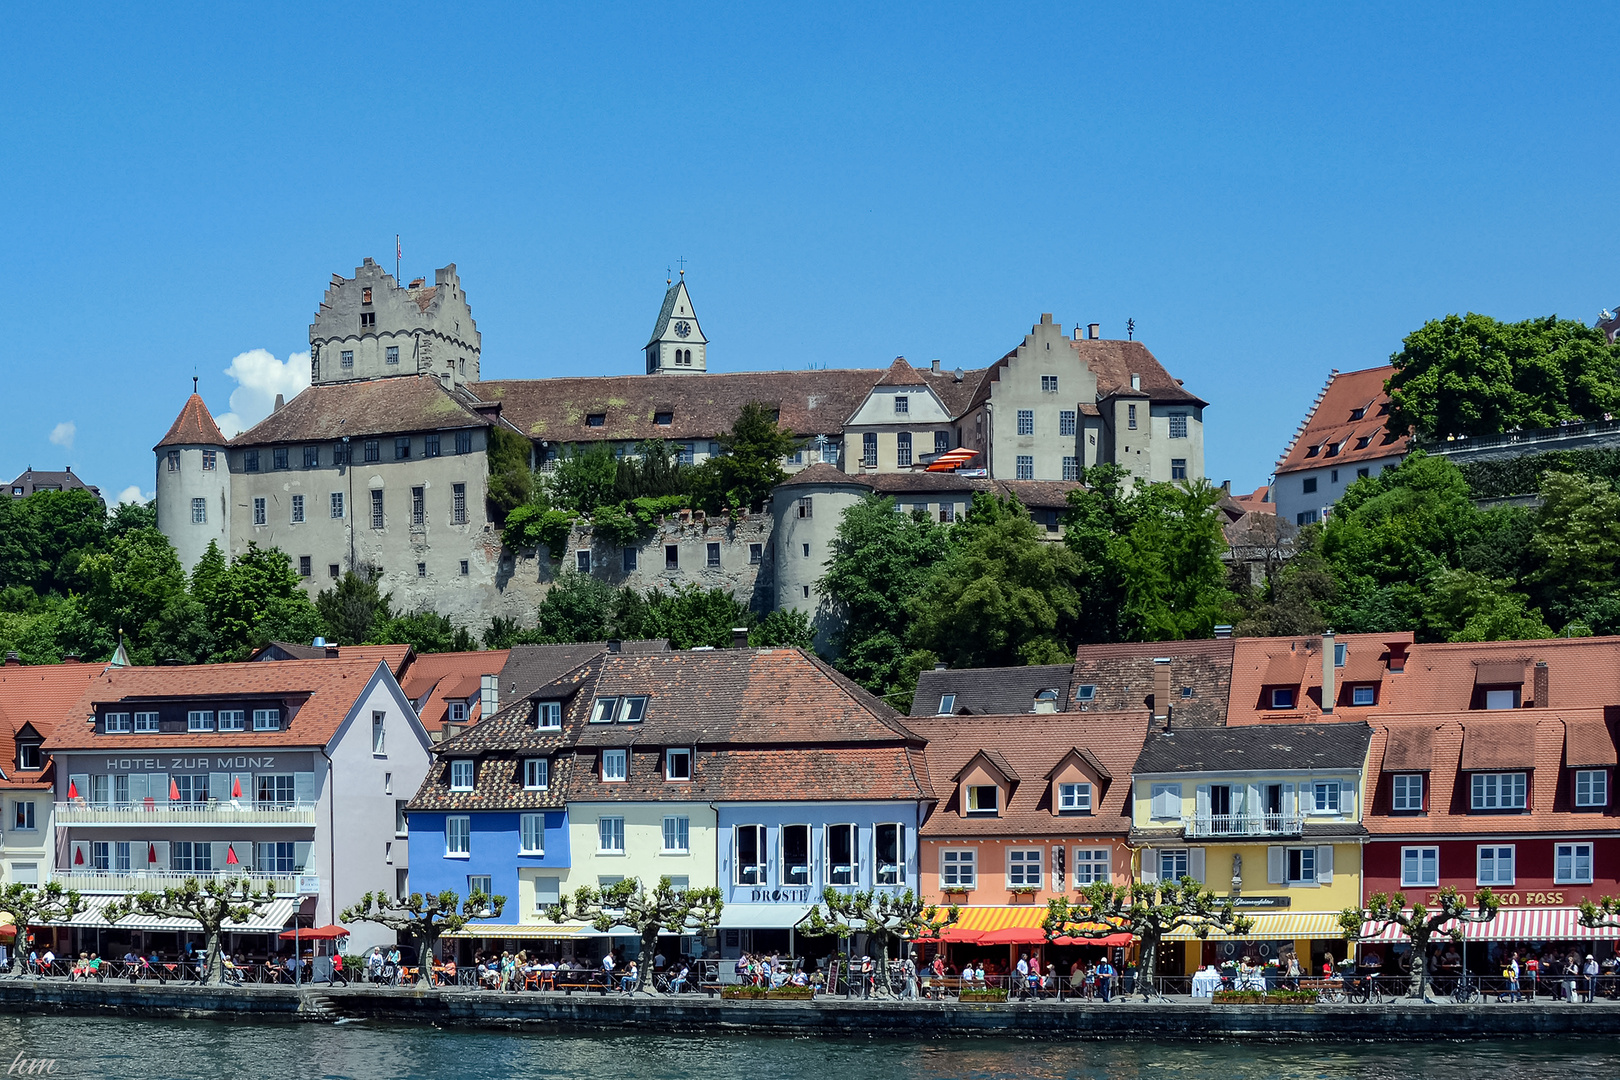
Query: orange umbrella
(952, 459)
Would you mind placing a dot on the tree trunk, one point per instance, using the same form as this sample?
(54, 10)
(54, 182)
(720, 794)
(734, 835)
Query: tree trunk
(882, 989)
(22, 945)
(1147, 969)
(426, 944)
(1417, 986)
(644, 963)
(214, 971)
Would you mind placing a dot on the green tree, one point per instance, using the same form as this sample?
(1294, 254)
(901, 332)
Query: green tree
(37, 905)
(584, 478)
(424, 631)
(213, 904)
(45, 536)
(257, 599)
(1473, 375)
(653, 471)
(1419, 923)
(663, 908)
(750, 466)
(1002, 594)
(885, 917)
(353, 607)
(783, 628)
(1147, 910)
(1575, 544)
(1294, 602)
(1465, 606)
(577, 607)
(135, 587)
(878, 561)
(511, 471)
(424, 918)
(690, 616)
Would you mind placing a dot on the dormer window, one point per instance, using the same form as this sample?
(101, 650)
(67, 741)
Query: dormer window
(983, 799)
(1502, 699)
(461, 775)
(1312, 451)
(678, 763)
(1282, 697)
(1045, 701)
(947, 704)
(548, 715)
(604, 710)
(1074, 798)
(1087, 692)
(664, 419)
(1357, 414)
(458, 711)
(632, 710)
(615, 765)
(1363, 695)
(596, 420)
(29, 756)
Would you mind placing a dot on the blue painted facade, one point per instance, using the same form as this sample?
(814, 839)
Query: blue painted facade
(493, 851)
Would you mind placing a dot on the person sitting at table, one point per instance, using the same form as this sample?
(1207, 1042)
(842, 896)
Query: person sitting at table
(448, 971)
(627, 982)
(800, 978)
(232, 972)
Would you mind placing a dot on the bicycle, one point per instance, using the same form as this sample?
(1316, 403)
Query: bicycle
(1365, 988)
(1467, 991)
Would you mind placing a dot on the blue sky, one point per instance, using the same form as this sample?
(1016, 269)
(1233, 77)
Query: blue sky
(1269, 191)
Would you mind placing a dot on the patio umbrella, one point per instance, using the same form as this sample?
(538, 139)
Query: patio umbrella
(955, 934)
(73, 790)
(1119, 939)
(952, 459)
(230, 856)
(318, 933)
(1014, 935)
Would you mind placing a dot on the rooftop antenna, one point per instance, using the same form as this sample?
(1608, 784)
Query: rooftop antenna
(399, 253)
(1130, 328)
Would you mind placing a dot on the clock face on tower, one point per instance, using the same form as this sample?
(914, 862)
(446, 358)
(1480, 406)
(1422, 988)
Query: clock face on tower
(682, 329)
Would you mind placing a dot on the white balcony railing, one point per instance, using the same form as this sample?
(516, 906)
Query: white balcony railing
(164, 812)
(1216, 825)
(128, 881)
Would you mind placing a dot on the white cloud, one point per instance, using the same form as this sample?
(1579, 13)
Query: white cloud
(133, 494)
(62, 434)
(260, 377)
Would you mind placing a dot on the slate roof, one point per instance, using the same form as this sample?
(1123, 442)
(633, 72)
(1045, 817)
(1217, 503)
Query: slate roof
(1260, 748)
(397, 657)
(1548, 743)
(991, 691)
(1032, 746)
(1113, 363)
(529, 667)
(32, 480)
(1122, 675)
(1332, 435)
(398, 404)
(318, 695)
(193, 427)
(37, 695)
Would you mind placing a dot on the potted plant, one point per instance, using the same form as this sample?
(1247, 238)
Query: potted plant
(1023, 894)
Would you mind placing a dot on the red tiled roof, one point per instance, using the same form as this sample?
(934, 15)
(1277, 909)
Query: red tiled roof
(1257, 501)
(1261, 664)
(436, 679)
(1530, 739)
(1332, 434)
(1031, 745)
(38, 695)
(753, 773)
(328, 689)
(397, 657)
(193, 427)
(1113, 363)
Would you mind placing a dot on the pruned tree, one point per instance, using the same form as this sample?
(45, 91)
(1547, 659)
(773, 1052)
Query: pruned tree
(31, 906)
(424, 918)
(1419, 923)
(881, 916)
(629, 903)
(1605, 912)
(1148, 911)
(210, 903)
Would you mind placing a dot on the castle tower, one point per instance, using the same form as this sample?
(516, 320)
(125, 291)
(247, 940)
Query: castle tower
(194, 484)
(368, 327)
(677, 347)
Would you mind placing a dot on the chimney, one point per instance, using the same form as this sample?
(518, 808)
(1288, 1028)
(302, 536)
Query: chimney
(1226, 487)
(1397, 654)
(1161, 688)
(1541, 684)
(1329, 673)
(940, 667)
(490, 690)
(1223, 630)
(12, 659)
(1046, 318)
(613, 646)
(739, 637)
(1094, 331)
(280, 401)
(1077, 333)
(332, 652)
(70, 658)
(933, 365)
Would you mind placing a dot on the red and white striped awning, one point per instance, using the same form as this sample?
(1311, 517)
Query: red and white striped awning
(1511, 924)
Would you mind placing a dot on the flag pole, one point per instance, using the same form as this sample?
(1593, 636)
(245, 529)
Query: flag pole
(398, 253)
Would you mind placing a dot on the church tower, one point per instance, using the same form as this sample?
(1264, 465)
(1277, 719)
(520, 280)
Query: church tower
(194, 484)
(677, 347)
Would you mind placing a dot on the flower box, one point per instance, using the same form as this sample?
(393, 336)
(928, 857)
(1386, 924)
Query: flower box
(743, 993)
(985, 994)
(1270, 997)
(792, 993)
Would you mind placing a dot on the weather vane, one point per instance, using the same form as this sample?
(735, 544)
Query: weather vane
(1130, 329)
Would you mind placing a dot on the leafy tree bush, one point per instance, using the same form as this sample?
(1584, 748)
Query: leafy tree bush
(354, 607)
(511, 475)
(749, 468)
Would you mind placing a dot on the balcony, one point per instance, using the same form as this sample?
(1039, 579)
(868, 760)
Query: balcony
(1216, 826)
(128, 881)
(163, 812)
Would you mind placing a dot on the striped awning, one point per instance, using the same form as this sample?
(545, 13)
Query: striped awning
(271, 918)
(1295, 924)
(1510, 924)
(990, 917)
(520, 931)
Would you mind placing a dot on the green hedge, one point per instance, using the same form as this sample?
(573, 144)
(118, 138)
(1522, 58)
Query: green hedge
(1270, 997)
(1522, 475)
(987, 994)
(743, 993)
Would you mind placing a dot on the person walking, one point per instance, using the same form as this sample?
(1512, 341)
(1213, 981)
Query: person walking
(1023, 974)
(1511, 973)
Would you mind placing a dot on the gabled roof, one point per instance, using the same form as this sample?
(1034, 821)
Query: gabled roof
(1084, 757)
(529, 667)
(1034, 745)
(1113, 363)
(1262, 664)
(1332, 432)
(901, 373)
(1001, 691)
(32, 480)
(1260, 748)
(193, 427)
(35, 696)
(397, 657)
(395, 405)
(436, 679)
(992, 760)
(326, 691)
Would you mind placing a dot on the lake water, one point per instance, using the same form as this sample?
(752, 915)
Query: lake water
(172, 1050)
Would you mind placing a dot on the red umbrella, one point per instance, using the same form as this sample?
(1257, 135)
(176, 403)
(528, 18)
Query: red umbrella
(317, 933)
(1119, 939)
(1014, 935)
(230, 856)
(73, 790)
(151, 853)
(78, 856)
(174, 790)
(236, 787)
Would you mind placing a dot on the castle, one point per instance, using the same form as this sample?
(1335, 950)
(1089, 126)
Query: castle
(383, 461)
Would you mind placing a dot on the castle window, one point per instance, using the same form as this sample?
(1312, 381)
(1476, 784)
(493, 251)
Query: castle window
(1308, 486)
(1026, 467)
(1071, 468)
(210, 457)
(902, 405)
(458, 504)
(672, 557)
(174, 460)
(627, 560)
(304, 568)
(368, 321)
(869, 450)
(250, 461)
(756, 554)
(942, 441)
(1026, 421)
(312, 457)
(365, 296)
(463, 442)
(347, 358)
(1049, 384)
(1178, 425)
(1066, 422)
(430, 446)
(199, 511)
(582, 561)
(391, 355)
(297, 509)
(402, 448)
(258, 511)
(418, 506)
(279, 456)
(465, 569)
(376, 509)
(421, 569)
(1130, 417)
(713, 556)
(337, 453)
(902, 449)
(333, 571)
(337, 505)
(1178, 469)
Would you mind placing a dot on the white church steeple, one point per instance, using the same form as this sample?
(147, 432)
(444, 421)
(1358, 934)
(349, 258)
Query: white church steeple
(678, 346)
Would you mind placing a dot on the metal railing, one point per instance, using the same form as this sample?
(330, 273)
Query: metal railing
(126, 881)
(1464, 443)
(1208, 825)
(165, 812)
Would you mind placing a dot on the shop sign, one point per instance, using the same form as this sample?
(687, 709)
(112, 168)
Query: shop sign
(1252, 902)
(1510, 899)
(153, 764)
(778, 896)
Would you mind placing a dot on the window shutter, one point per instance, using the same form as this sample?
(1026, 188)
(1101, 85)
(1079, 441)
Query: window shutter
(1203, 802)
(1195, 864)
(157, 787)
(302, 849)
(80, 858)
(80, 783)
(161, 849)
(1290, 801)
(304, 788)
(1347, 800)
(1324, 864)
(1276, 872)
(244, 855)
(137, 788)
(1150, 865)
(1251, 803)
(219, 790)
(218, 849)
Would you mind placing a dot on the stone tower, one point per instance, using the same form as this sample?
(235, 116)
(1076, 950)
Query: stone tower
(678, 346)
(368, 327)
(194, 484)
